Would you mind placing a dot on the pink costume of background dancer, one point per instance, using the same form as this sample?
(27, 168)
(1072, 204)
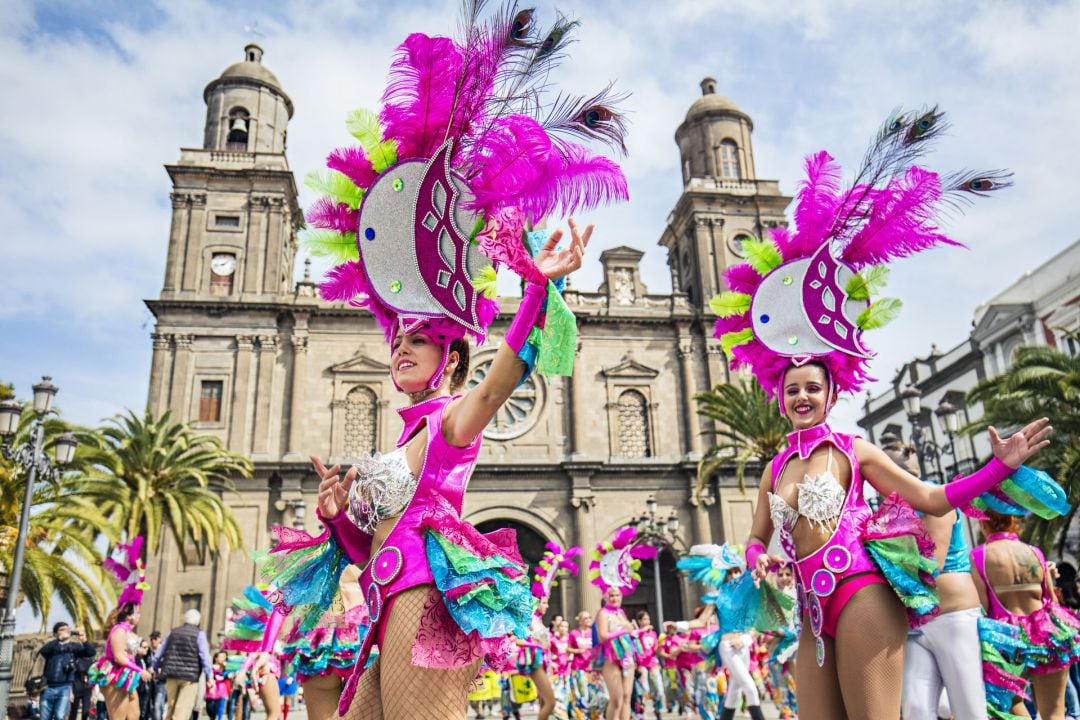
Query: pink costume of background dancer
(795, 316)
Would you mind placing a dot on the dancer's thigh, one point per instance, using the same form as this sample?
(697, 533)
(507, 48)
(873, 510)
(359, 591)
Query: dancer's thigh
(818, 688)
(321, 695)
(1050, 694)
(869, 643)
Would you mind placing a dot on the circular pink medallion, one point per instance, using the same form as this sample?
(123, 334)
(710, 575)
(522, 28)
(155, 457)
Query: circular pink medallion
(374, 601)
(386, 565)
(837, 558)
(823, 582)
(813, 609)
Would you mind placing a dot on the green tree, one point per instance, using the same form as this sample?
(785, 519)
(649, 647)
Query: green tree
(171, 478)
(749, 427)
(1041, 382)
(62, 561)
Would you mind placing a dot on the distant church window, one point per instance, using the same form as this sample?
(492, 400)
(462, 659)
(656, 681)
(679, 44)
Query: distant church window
(361, 408)
(633, 425)
(238, 124)
(729, 160)
(227, 221)
(210, 401)
(737, 244)
(222, 272)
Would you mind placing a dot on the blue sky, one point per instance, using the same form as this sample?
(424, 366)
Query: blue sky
(99, 95)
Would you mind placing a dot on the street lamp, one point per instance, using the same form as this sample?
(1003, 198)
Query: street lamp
(659, 532)
(950, 423)
(31, 459)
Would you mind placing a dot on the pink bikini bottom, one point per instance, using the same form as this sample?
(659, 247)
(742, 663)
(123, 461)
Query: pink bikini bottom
(840, 597)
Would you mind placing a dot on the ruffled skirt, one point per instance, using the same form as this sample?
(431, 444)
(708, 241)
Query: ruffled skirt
(106, 673)
(897, 541)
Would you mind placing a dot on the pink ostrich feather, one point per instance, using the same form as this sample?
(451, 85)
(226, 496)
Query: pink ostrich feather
(506, 162)
(349, 284)
(574, 179)
(419, 98)
(325, 213)
(818, 202)
(353, 164)
(742, 278)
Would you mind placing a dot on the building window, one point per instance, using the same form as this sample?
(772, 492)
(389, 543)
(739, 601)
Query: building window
(520, 412)
(210, 401)
(633, 425)
(729, 160)
(361, 419)
(238, 124)
(222, 273)
(191, 601)
(227, 221)
(737, 244)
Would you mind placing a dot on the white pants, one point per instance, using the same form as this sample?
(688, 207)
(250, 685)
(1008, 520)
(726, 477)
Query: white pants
(945, 653)
(738, 664)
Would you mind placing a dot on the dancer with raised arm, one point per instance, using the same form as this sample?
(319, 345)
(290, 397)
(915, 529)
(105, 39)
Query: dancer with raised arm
(796, 317)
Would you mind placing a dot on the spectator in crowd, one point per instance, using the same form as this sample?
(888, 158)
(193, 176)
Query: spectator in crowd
(60, 656)
(81, 690)
(145, 660)
(157, 687)
(184, 656)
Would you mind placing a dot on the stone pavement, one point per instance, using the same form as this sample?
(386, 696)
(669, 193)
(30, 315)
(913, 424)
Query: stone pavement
(299, 712)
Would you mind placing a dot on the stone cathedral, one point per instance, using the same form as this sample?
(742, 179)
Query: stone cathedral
(244, 352)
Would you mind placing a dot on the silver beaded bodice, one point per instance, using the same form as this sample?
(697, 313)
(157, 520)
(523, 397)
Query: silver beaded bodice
(383, 488)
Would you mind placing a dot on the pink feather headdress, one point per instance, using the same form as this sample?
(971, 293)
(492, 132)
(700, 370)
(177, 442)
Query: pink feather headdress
(808, 295)
(554, 561)
(615, 562)
(472, 145)
(126, 565)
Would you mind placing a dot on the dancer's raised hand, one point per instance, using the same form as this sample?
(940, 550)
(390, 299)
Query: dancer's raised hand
(1015, 450)
(333, 492)
(560, 263)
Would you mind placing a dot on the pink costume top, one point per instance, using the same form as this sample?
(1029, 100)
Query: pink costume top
(669, 645)
(647, 654)
(581, 640)
(560, 655)
(823, 500)
(1051, 633)
(403, 561)
(687, 659)
(108, 673)
(219, 687)
(619, 647)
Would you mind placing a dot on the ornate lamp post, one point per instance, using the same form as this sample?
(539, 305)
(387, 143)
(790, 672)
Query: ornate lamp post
(927, 450)
(949, 420)
(660, 533)
(29, 457)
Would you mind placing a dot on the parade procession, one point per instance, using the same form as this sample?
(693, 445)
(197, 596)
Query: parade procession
(397, 462)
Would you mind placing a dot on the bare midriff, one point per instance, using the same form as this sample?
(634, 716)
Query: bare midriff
(957, 591)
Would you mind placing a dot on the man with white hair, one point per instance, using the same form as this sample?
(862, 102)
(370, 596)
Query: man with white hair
(182, 658)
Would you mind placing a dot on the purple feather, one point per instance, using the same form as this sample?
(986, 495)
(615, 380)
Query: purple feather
(900, 221)
(325, 213)
(574, 179)
(353, 164)
(419, 96)
(742, 278)
(818, 199)
(507, 161)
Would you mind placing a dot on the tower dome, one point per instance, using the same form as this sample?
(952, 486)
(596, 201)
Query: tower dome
(246, 108)
(714, 139)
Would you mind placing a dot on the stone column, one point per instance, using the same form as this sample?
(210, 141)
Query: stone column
(241, 401)
(691, 426)
(271, 279)
(264, 391)
(701, 500)
(158, 397)
(296, 404)
(193, 254)
(584, 502)
(577, 403)
(179, 395)
(178, 239)
(255, 248)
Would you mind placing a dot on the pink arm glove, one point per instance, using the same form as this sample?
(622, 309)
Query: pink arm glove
(963, 490)
(753, 551)
(354, 543)
(525, 319)
(269, 638)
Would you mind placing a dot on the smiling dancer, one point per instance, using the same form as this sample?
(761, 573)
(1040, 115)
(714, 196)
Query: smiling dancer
(796, 317)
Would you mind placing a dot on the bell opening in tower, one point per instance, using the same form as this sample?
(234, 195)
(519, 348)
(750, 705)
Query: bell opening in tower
(237, 139)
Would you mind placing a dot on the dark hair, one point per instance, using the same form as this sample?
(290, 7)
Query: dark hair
(119, 615)
(57, 626)
(813, 363)
(999, 522)
(461, 372)
(155, 635)
(640, 614)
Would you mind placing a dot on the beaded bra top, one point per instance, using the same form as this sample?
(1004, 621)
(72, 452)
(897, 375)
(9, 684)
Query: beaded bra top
(821, 498)
(383, 488)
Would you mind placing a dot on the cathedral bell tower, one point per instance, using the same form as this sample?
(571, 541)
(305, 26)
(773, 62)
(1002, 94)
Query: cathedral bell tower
(723, 202)
(235, 208)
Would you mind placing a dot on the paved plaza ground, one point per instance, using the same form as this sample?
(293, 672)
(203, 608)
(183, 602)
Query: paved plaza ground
(300, 713)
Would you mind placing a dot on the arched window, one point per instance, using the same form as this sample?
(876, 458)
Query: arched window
(237, 138)
(361, 419)
(633, 425)
(729, 160)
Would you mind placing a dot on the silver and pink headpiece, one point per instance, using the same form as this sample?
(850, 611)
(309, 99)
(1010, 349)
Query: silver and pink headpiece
(554, 562)
(472, 145)
(809, 295)
(126, 566)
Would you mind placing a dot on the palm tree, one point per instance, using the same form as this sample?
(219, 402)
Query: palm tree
(749, 426)
(62, 561)
(1042, 382)
(170, 478)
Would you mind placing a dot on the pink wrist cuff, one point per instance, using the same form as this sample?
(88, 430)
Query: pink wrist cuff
(353, 542)
(963, 490)
(525, 319)
(133, 667)
(753, 551)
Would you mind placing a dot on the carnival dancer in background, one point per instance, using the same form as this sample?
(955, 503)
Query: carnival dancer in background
(560, 667)
(671, 644)
(582, 685)
(257, 623)
(116, 672)
(783, 645)
(617, 654)
(648, 664)
(218, 687)
(796, 316)
(1015, 587)
(532, 659)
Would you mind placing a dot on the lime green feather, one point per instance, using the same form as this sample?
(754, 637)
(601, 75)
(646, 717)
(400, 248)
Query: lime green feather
(335, 186)
(727, 304)
(879, 313)
(763, 255)
(732, 339)
(339, 247)
(364, 126)
(868, 281)
(486, 282)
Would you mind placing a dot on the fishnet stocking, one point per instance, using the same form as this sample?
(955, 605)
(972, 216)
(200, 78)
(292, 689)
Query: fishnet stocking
(121, 705)
(321, 694)
(870, 639)
(395, 689)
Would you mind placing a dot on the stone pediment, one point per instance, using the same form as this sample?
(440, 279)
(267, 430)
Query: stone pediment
(629, 368)
(360, 363)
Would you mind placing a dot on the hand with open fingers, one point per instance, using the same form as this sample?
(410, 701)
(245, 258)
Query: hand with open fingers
(333, 492)
(560, 263)
(1020, 446)
(761, 568)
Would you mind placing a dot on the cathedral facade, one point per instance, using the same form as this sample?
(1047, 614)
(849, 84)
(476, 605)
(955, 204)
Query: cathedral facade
(244, 352)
